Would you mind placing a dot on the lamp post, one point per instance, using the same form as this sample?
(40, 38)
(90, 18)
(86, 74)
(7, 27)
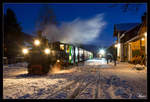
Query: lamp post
(145, 34)
(115, 54)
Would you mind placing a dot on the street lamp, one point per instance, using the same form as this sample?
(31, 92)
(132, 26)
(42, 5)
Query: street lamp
(115, 55)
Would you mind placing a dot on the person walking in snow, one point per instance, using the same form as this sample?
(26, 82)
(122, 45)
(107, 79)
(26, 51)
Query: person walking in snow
(115, 59)
(107, 58)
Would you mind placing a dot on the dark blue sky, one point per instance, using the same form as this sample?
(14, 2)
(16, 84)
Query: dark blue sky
(27, 16)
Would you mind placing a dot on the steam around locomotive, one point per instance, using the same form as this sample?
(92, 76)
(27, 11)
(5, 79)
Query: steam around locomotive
(43, 55)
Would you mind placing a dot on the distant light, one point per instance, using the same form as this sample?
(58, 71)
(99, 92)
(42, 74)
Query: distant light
(25, 51)
(102, 52)
(142, 39)
(70, 57)
(62, 46)
(58, 60)
(47, 51)
(37, 42)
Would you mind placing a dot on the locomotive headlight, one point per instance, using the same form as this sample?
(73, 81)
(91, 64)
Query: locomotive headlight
(37, 42)
(47, 51)
(25, 51)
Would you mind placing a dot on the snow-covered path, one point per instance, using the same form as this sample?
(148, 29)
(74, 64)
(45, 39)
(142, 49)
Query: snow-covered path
(94, 79)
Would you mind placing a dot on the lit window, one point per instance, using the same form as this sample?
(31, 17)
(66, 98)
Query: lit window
(62, 46)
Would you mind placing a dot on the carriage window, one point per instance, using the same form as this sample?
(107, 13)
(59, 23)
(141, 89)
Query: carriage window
(61, 46)
(67, 49)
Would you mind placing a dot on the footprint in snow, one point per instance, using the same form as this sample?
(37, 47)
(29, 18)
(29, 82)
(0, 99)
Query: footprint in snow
(7, 97)
(61, 95)
(60, 81)
(40, 92)
(25, 96)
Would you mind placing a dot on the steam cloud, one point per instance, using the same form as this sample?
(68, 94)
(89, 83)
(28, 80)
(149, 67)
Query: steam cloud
(77, 31)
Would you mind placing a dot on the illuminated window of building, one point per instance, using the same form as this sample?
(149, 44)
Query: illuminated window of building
(61, 46)
(143, 42)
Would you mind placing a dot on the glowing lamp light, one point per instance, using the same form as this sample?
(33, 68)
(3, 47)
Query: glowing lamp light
(145, 34)
(142, 39)
(58, 60)
(102, 52)
(25, 51)
(37, 42)
(47, 51)
(115, 45)
(118, 44)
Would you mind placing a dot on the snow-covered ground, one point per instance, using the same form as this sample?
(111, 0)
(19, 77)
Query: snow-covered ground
(91, 80)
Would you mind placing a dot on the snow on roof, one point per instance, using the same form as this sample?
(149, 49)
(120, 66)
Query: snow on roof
(126, 26)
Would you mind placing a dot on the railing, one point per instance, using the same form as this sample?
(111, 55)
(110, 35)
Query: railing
(7, 61)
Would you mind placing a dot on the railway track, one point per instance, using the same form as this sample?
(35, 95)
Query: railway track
(90, 91)
(55, 94)
(48, 95)
(80, 88)
(72, 90)
(97, 86)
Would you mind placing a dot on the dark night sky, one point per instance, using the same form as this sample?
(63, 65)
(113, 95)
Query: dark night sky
(27, 15)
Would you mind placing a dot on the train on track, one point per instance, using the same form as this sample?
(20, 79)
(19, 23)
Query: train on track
(42, 56)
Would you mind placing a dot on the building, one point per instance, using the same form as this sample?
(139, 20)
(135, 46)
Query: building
(132, 41)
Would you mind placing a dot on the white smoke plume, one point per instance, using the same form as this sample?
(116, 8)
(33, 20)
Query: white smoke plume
(76, 32)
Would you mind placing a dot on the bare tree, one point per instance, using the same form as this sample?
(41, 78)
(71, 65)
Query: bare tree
(128, 7)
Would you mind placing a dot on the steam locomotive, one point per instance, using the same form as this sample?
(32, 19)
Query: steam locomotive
(43, 55)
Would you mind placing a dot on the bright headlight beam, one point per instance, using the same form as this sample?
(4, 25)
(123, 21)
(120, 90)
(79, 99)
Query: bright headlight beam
(36, 42)
(25, 51)
(47, 51)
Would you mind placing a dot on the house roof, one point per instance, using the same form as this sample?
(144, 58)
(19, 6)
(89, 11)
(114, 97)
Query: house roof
(123, 27)
(131, 33)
